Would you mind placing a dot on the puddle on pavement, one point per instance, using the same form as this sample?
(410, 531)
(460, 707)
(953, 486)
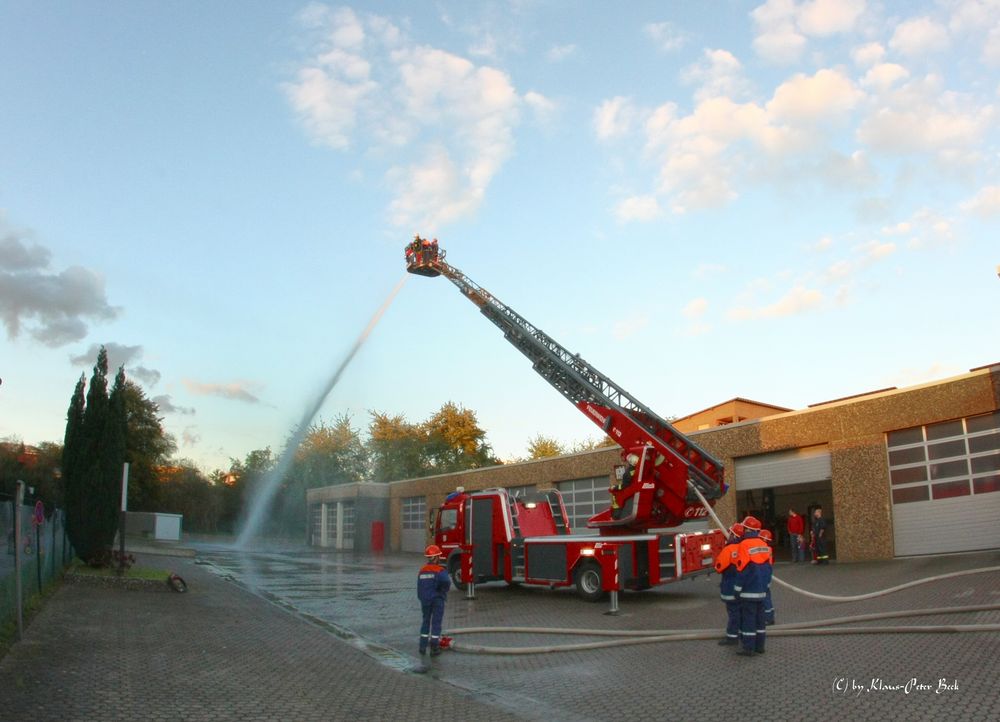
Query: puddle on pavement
(268, 578)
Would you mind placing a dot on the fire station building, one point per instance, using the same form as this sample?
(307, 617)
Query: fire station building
(897, 472)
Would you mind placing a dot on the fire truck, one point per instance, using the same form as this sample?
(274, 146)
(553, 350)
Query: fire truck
(665, 479)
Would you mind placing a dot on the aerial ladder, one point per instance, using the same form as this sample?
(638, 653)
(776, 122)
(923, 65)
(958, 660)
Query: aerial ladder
(667, 478)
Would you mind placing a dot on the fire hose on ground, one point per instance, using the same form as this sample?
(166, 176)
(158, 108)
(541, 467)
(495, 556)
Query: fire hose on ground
(813, 628)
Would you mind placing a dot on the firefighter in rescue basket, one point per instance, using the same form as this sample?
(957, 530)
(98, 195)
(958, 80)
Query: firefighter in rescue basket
(433, 584)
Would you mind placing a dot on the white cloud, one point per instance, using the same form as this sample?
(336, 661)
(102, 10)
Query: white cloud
(542, 107)
(666, 36)
(798, 300)
(718, 73)
(447, 119)
(236, 391)
(991, 48)
(985, 204)
(823, 96)
(166, 405)
(638, 208)
(614, 118)
(558, 53)
(823, 244)
(919, 37)
(783, 26)
(867, 54)
(901, 228)
(52, 307)
(920, 117)
(883, 76)
(695, 308)
(827, 17)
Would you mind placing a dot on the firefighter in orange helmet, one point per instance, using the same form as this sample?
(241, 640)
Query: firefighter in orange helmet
(433, 584)
(753, 577)
(725, 564)
(768, 603)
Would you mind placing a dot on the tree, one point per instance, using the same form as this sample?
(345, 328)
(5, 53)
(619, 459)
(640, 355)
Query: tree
(183, 489)
(395, 446)
(72, 473)
(455, 440)
(331, 454)
(93, 461)
(147, 447)
(542, 446)
(449, 440)
(242, 483)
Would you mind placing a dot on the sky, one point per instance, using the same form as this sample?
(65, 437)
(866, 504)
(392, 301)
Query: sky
(788, 201)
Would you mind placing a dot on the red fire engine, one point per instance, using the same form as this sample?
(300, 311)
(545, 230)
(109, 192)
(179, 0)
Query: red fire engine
(666, 479)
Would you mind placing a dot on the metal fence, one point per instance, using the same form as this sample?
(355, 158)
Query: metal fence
(44, 552)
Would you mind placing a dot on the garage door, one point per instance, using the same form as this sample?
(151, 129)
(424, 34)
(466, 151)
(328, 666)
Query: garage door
(413, 537)
(945, 481)
(583, 498)
(782, 468)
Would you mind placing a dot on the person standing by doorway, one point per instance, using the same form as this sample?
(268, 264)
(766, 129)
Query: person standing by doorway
(796, 535)
(819, 537)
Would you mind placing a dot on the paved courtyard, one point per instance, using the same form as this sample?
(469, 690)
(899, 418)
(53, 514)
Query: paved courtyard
(303, 634)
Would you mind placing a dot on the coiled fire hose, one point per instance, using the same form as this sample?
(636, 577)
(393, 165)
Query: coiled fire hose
(814, 628)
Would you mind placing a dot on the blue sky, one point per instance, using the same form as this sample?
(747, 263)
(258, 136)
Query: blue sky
(786, 201)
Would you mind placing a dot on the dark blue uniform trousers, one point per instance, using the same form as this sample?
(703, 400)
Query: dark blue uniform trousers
(431, 626)
(733, 619)
(752, 627)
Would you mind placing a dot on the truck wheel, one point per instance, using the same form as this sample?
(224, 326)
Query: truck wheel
(588, 581)
(455, 572)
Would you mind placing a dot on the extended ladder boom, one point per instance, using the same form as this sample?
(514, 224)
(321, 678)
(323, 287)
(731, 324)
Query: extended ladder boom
(678, 463)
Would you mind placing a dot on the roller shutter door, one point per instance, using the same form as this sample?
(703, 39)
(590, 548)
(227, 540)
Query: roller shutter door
(783, 468)
(945, 481)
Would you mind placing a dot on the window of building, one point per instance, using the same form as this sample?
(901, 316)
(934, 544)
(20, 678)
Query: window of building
(945, 460)
(414, 511)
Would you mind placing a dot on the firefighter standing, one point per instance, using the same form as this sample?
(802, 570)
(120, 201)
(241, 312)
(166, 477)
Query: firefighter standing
(819, 537)
(725, 564)
(768, 604)
(433, 584)
(753, 577)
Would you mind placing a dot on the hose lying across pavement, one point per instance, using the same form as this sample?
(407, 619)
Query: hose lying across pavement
(816, 628)
(631, 637)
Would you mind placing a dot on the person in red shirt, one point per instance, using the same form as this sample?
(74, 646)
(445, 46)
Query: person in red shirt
(796, 534)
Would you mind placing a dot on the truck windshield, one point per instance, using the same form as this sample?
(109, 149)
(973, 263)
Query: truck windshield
(448, 519)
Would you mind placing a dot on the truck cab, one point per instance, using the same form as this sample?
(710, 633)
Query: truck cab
(491, 525)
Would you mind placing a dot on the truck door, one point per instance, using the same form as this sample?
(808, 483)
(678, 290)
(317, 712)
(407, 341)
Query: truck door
(481, 510)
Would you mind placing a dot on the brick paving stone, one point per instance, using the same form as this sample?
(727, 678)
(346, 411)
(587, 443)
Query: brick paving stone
(223, 653)
(215, 653)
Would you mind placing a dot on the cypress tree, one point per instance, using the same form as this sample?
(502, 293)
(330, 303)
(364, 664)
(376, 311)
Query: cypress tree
(112, 456)
(72, 444)
(89, 463)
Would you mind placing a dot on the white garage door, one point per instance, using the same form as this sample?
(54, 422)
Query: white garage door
(583, 498)
(413, 537)
(783, 468)
(945, 482)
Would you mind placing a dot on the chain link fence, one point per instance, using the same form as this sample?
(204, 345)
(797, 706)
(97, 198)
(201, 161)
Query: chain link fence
(44, 552)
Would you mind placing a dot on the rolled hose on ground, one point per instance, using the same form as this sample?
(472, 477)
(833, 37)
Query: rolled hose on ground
(632, 637)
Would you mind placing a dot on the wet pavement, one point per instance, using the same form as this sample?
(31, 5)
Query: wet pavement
(369, 602)
(303, 634)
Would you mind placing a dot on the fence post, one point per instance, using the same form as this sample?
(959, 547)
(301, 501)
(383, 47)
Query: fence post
(18, 498)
